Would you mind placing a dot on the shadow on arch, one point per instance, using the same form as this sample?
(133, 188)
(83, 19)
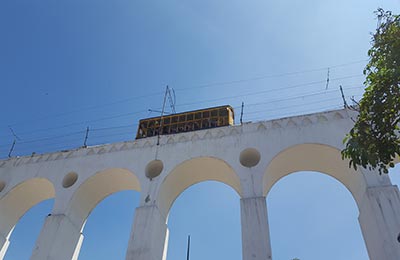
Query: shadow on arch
(318, 158)
(17, 201)
(191, 172)
(96, 188)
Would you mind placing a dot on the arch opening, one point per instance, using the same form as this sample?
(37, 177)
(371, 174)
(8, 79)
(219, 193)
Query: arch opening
(26, 231)
(313, 215)
(191, 172)
(108, 226)
(104, 186)
(210, 213)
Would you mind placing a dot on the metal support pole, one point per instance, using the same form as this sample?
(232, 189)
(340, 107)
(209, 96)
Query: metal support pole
(241, 114)
(12, 148)
(344, 99)
(86, 137)
(188, 249)
(162, 116)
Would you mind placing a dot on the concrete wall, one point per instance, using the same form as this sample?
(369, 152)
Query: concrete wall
(250, 158)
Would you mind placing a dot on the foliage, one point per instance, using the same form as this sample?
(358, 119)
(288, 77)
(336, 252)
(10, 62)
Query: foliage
(374, 141)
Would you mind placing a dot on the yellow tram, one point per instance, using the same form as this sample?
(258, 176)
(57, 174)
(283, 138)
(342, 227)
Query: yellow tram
(185, 122)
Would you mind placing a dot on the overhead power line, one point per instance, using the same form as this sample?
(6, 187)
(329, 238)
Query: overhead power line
(134, 126)
(199, 86)
(266, 76)
(87, 108)
(86, 122)
(268, 91)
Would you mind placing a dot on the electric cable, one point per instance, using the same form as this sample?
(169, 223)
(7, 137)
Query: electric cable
(184, 89)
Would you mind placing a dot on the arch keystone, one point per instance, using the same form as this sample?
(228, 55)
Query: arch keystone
(182, 139)
(207, 135)
(338, 116)
(322, 119)
(306, 121)
(291, 123)
(220, 134)
(261, 127)
(276, 125)
(195, 137)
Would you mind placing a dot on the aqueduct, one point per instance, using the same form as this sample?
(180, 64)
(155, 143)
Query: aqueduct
(250, 158)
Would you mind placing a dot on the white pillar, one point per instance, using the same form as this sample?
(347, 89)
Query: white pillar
(4, 243)
(380, 222)
(149, 235)
(60, 239)
(255, 231)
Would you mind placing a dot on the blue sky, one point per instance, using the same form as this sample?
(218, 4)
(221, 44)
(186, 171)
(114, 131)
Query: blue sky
(66, 65)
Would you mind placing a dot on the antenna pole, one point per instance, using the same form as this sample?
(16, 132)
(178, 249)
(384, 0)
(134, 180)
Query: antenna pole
(172, 100)
(162, 115)
(344, 99)
(188, 249)
(241, 114)
(12, 148)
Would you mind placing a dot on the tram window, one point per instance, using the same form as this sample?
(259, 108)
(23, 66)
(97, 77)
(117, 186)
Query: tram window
(206, 114)
(223, 112)
(205, 123)
(213, 122)
(182, 118)
(165, 130)
(197, 125)
(181, 128)
(197, 115)
(189, 117)
(151, 123)
(173, 129)
(166, 120)
(189, 126)
(143, 124)
(214, 112)
(174, 119)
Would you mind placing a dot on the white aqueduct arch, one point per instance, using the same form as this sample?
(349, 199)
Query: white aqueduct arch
(96, 188)
(191, 172)
(318, 158)
(17, 201)
(84, 198)
(250, 158)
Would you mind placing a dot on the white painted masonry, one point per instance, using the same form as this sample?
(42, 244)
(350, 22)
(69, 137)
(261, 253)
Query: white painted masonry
(250, 158)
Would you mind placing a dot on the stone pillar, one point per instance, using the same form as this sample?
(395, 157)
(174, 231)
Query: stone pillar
(60, 239)
(380, 222)
(4, 243)
(149, 235)
(255, 231)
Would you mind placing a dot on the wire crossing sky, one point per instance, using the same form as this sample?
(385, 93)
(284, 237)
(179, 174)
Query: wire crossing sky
(69, 65)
